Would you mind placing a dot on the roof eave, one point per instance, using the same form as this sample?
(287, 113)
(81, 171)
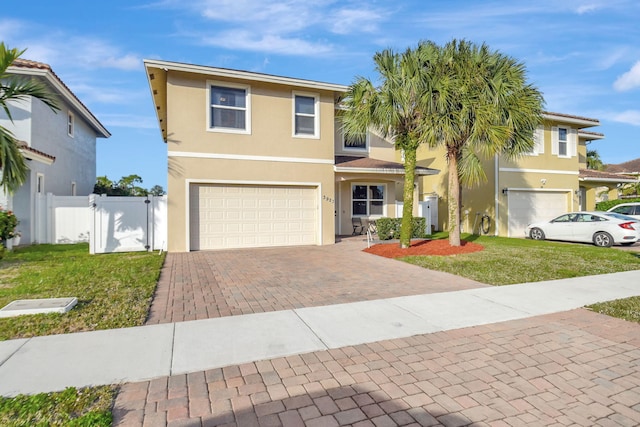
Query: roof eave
(244, 75)
(67, 95)
(594, 179)
(383, 171)
(40, 158)
(573, 120)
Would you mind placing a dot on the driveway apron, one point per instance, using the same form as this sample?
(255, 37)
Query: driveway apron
(210, 284)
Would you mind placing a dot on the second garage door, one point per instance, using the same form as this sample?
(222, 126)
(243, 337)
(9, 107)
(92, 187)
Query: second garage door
(526, 207)
(248, 216)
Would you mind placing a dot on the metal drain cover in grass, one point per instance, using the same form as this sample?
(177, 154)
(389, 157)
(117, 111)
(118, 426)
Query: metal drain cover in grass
(38, 306)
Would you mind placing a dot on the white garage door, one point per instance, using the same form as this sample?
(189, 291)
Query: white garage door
(248, 216)
(526, 207)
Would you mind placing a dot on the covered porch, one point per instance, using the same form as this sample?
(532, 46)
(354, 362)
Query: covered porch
(593, 182)
(368, 189)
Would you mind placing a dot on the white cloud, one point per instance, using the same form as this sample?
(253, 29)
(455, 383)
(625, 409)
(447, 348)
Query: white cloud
(245, 40)
(630, 117)
(586, 8)
(288, 27)
(63, 50)
(129, 121)
(629, 80)
(347, 21)
(10, 27)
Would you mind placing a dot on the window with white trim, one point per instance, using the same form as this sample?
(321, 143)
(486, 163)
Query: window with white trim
(563, 142)
(306, 115)
(229, 107)
(358, 142)
(70, 123)
(367, 200)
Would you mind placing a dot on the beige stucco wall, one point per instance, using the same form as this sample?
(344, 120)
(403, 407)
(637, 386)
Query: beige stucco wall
(525, 172)
(271, 137)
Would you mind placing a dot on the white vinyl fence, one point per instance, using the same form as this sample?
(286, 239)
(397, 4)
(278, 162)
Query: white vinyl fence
(109, 224)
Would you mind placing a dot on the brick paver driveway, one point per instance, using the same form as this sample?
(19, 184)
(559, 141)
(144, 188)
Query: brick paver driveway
(207, 284)
(572, 368)
(575, 368)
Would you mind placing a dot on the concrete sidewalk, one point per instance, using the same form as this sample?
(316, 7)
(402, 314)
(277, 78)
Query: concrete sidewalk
(52, 363)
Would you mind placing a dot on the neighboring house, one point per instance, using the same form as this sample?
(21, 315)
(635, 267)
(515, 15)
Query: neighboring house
(630, 168)
(551, 180)
(60, 148)
(257, 160)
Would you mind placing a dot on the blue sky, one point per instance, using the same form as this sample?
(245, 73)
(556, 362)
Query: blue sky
(584, 55)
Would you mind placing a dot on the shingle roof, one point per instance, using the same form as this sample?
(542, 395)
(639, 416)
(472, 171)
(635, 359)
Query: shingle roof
(356, 162)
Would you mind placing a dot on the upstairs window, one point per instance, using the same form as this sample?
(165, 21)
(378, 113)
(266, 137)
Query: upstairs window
(355, 143)
(229, 108)
(305, 115)
(562, 142)
(70, 123)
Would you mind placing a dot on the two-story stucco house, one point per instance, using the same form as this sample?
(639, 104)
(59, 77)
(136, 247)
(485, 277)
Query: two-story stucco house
(257, 160)
(260, 160)
(60, 147)
(551, 180)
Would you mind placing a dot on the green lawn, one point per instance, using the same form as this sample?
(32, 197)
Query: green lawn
(113, 290)
(506, 261)
(90, 407)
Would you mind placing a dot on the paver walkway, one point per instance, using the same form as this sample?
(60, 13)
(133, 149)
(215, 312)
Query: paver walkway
(209, 284)
(575, 368)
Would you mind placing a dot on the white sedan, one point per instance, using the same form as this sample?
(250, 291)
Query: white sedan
(600, 228)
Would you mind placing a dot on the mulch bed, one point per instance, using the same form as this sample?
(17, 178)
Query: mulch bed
(423, 247)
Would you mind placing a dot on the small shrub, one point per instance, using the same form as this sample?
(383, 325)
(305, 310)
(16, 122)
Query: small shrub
(608, 204)
(389, 228)
(8, 224)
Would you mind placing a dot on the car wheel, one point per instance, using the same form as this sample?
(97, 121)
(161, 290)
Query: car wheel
(536, 234)
(602, 239)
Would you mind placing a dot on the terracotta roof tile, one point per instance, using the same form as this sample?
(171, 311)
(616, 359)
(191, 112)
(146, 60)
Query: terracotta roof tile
(27, 63)
(571, 116)
(24, 146)
(591, 173)
(632, 166)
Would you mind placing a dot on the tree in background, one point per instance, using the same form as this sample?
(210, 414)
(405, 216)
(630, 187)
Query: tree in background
(126, 186)
(14, 89)
(594, 161)
(157, 190)
(479, 105)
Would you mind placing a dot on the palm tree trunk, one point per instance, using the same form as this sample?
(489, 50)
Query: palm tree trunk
(454, 201)
(407, 207)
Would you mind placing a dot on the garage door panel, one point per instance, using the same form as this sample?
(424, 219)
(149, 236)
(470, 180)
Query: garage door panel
(525, 207)
(237, 216)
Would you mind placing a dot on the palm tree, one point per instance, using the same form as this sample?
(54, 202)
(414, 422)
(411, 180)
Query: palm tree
(479, 106)
(594, 161)
(393, 110)
(14, 89)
